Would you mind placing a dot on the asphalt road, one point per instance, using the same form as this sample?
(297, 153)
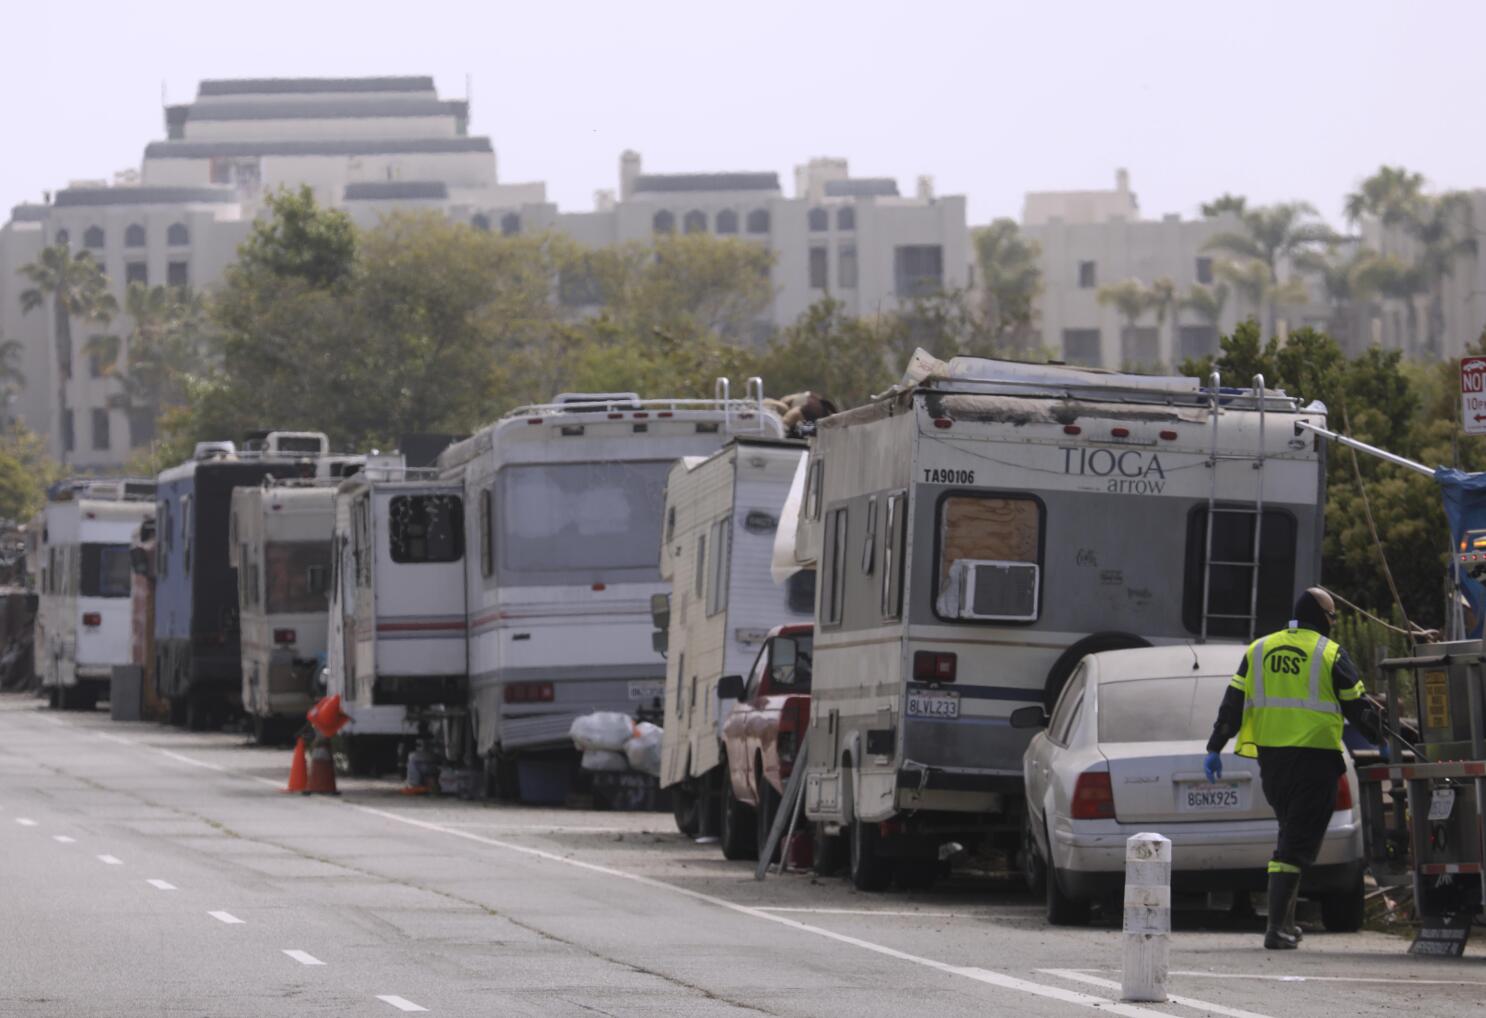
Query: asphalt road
(147, 871)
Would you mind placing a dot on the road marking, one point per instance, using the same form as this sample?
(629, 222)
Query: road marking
(114, 738)
(1269, 977)
(1192, 1002)
(998, 979)
(110, 860)
(870, 911)
(303, 957)
(401, 1003)
(64, 839)
(225, 917)
(161, 885)
(194, 763)
(25, 821)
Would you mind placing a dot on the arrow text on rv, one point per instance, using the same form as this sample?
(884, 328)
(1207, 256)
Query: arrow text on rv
(1129, 471)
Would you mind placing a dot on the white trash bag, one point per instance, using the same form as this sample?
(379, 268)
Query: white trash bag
(607, 730)
(643, 750)
(604, 760)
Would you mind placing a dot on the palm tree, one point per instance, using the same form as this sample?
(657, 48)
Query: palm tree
(1130, 298)
(1207, 302)
(1343, 272)
(1398, 280)
(1166, 302)
(1011, 279)
(1273, 234)
(1389, 195)
(76, 288)
(12, 378)
(1223, 204)
(166, 347)
(1442, 228)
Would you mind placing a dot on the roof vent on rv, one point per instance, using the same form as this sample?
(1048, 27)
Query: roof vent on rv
(596, 400)
(296, 443)
(214, 451)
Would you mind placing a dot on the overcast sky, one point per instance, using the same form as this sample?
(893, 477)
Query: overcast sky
(1273, 100)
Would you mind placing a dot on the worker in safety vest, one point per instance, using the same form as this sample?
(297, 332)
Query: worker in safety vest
(1286, 705)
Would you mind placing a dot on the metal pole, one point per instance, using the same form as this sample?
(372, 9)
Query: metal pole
(1212, 508)
(1371, 450)
(1258, 384)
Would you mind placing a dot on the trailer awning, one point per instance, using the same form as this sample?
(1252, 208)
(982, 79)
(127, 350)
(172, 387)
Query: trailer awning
(784, 564)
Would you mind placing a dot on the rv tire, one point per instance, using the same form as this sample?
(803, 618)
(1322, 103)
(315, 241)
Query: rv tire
(686, 807)
(1062, 669)
(738, 822)
(54, 698)
(868, 870)
(1344, 911)
(827, 852)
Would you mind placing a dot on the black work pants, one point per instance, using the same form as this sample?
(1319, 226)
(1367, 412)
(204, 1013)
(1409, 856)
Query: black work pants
(1300, 785)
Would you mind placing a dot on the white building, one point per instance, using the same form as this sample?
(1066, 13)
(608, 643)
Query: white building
(1090, 239)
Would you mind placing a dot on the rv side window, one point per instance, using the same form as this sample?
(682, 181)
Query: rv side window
(869, 542)
(717, 575)
(244, 595)
(834, 595)
(680, 681)
(813, 488)
(990, 558)
(487, 536)
(426, 528)
(186, 534)
(1231, 583)
(164, 535)
(700, 579)
(894, 528)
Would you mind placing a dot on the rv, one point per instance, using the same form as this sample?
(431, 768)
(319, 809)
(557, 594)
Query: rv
(721, 516)
(979, 529)
(567, 500)
(279, 538)
(397, 614)
(198, 657)
(84, 614)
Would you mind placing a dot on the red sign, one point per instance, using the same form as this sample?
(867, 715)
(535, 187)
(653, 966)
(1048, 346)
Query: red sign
(1473, 395)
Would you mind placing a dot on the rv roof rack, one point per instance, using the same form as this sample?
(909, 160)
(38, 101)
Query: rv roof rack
(102, 489)
(746, 414)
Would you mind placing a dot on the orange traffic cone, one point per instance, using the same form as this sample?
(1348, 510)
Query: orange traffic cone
(322, 770)
(297, 769)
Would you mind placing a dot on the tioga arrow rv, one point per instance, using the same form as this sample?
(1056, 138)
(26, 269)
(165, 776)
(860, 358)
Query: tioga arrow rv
(984, 525)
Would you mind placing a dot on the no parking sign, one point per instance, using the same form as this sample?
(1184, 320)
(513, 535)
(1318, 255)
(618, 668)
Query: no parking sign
(1473, 395)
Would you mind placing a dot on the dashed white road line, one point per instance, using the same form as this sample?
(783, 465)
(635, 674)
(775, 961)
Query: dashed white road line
(110, 860)
(64, 839)
(401, 1003)
(25, 821)
(194, 763)
(114, 738)
(303, 957)
(870, 912)
(225, 917)
(161, 885)
(1273, 978)
(1192, 1002)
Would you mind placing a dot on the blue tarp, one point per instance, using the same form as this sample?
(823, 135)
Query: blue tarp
(1464, 496)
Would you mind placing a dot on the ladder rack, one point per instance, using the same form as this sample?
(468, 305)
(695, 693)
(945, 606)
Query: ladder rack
(1214, 510)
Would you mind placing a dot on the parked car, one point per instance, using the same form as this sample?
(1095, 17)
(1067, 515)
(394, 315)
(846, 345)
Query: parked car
(763, 735)
(1122, 753)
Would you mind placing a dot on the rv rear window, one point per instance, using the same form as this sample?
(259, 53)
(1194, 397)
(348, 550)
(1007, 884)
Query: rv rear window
(581, 517)
(297, 573)
(1231, 583)
(426, 528)
(106, 570)
(990, 558)
(799, 592)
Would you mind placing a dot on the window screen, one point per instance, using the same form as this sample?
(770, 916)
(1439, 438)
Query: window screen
(106, 571)
(990, 551)
(1233, 542)
(426, 528)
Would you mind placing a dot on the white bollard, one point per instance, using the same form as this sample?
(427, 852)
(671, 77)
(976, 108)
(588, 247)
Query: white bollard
(1147, 918)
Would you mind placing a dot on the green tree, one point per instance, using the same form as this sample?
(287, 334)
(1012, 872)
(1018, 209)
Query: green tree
(1389, 195)
(1131, 299)
(1167, 304)
(833, 353)
(1272, 235)
(12, 378)
(26, 471)
(1225, 204)
(1011, 281)
(1444, 233)
(76, 287)
(299, 239)
(1343, 270)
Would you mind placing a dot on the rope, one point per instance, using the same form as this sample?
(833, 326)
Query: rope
(1373, 529)
(1414, 633)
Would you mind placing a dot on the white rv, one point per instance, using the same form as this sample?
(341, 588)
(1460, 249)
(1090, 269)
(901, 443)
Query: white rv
(566, 504)
(721, 517)
(397, 615)
(279, 539)
(983, 526)
(84, 575)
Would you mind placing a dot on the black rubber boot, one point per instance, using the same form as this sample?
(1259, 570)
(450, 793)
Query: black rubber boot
(1283, 888)
(1291, 926)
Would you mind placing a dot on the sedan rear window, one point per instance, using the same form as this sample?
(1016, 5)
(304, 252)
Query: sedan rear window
(1168, 709)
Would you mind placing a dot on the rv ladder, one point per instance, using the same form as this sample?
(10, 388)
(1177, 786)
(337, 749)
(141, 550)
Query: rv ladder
(1214, 511)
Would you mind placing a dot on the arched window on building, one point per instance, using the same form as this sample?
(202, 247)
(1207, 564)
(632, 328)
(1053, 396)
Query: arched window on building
(727, 221)
(63, 237)
(819, 219)
(510, 224)
(695, 222)
(758, 221)
(846, 218)
(663, 222)
(93, 238)
(134, 236)
(480, 221)
(177, 235)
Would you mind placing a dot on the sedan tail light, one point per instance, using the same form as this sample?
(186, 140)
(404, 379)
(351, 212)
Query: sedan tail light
(92, 618)
(1343, 794)
(284, 636)
(933, 666)
(1093, 797)
(794, 718)
(530, 692)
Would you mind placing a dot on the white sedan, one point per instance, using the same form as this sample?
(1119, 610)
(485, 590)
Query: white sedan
(1122, 753)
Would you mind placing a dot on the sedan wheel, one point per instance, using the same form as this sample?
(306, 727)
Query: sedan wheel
(1063, 910)
(1034, 870)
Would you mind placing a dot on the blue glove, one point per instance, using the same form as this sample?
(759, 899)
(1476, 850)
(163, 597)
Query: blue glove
(1212, 766)
(1385, 753)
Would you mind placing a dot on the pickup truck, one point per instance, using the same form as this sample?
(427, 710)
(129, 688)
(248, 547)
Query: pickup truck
(762, 736)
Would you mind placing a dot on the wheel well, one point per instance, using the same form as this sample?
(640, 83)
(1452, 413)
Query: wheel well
(1062, 669)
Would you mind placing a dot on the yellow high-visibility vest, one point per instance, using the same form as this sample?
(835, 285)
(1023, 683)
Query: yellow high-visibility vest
(1289, 699)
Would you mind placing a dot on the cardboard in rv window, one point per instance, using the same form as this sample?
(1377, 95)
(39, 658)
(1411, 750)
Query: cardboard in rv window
(564, 517)
(296, 572)
(990, 558)
(106, 570)
(426, 528)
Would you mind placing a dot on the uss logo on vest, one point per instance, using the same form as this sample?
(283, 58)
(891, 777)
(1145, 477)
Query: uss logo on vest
(1285, 661)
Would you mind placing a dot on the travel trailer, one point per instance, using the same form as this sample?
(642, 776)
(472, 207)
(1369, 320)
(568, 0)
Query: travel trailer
(979, 529)
(198, 656)
(721, 516)
(397, 615)
(280, 535)
(84, 579)
(564, 531)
